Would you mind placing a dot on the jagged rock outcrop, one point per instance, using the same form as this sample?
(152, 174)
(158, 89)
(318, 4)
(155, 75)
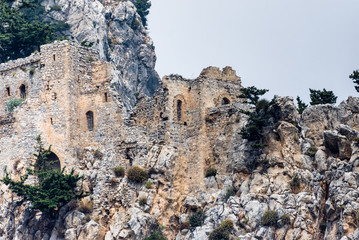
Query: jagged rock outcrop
(306, 171)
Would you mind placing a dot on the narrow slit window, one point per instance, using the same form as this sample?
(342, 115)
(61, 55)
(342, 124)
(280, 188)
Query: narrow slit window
(179, 110)
(23, 91)
(90, 121)
(8, 91)
(54, 57)
(51, 121)
(106, 97)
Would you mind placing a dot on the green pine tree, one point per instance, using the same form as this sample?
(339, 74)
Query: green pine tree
(252, 94)
(53, 189)
(25, 27)
(355, 77)
(301, 105)
(143, 7)
(322, 97)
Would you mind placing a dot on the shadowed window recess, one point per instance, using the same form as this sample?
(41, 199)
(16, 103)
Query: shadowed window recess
(22, 91)
(90, 120)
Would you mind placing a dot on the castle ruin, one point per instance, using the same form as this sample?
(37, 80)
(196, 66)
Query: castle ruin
(70, 102)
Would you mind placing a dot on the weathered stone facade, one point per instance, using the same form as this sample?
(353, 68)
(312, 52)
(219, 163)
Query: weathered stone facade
(69, 101)
(187, 127)
(186, 114)
(64, 85)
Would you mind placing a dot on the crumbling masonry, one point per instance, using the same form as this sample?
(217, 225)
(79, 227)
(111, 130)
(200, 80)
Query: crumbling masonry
(69, 100)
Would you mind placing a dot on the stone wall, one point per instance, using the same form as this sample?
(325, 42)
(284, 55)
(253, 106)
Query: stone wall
(64, 82)
(178, 114)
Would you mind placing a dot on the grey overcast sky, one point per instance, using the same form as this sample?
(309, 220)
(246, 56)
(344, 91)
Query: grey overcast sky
(286, 46)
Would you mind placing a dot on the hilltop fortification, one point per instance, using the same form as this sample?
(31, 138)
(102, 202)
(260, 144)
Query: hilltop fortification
(306, 171)
(104, 107)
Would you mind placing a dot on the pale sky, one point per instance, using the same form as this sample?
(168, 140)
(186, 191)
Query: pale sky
(286, 46)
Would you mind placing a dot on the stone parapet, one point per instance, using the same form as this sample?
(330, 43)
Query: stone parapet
(227, 74)
(18, 63)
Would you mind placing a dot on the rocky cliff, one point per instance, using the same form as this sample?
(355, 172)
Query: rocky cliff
(306, 173)
(302, 183)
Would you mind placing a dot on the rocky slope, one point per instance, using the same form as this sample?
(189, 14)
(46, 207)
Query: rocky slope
(307, 173)
(116, 30)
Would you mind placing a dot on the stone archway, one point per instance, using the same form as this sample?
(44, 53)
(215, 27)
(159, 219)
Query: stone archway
(54, 161)
(179, 109)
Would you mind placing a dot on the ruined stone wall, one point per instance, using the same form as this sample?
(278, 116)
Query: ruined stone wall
(179, 114)
(175, 143)
(16, 73)
(63, 83)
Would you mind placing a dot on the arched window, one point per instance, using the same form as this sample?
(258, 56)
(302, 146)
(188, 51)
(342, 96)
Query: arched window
(22, 91)
(225, 101)
(54, 161)
(179, 110)
(90, 122)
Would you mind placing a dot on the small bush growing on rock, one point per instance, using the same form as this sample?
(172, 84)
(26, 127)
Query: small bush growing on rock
(230, 192)
(156, 236)
(295, 182)
(137, 174)
(211, 172)
(270, 218)
(285, 219)
(157, 233)
(311, 151)
(148, 185)
(13, 103)
(85, 206)
(119, 171)
(197, 219)
(142, 201)
(356, 140)
(223, 231)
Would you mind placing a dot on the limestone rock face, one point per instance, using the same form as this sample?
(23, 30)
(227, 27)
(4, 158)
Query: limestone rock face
(116, 31)
(186, 135)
